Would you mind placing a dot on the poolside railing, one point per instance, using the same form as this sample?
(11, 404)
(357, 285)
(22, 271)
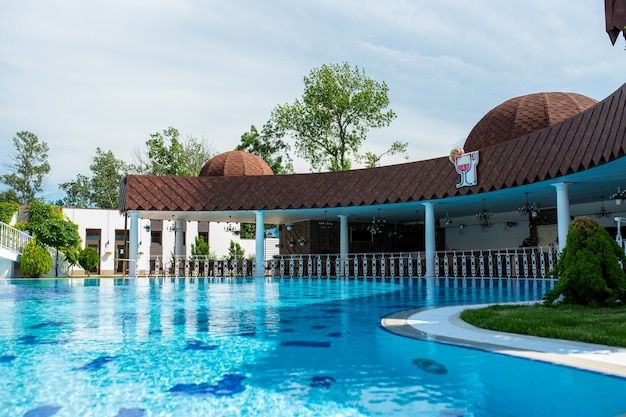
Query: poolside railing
(527, 262)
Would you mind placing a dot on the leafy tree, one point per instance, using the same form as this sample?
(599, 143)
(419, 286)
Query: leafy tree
(197, 152)
(60, 234)
(88, 259)
(105, 182)
(71, 256)
(48, 225)
(372, 160)
(235, 251)
(38, 214)
(272, 150)
(247, 230)
(30, 166)
(35, 260)
(102, 189)
(77, 192)
(589, 269)
(165, 154)
(339, 106)
(9, 196)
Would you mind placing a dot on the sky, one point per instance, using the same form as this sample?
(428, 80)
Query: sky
(87, 74)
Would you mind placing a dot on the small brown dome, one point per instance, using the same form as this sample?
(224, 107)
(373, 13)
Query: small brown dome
(522, 115)
(235, 164)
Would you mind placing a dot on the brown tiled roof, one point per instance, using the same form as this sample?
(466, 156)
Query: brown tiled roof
(520, 116)
(591, 138)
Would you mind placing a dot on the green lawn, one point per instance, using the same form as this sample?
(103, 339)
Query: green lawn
(606, 326)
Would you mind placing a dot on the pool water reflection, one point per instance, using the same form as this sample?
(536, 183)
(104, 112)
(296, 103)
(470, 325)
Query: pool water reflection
(256, 346)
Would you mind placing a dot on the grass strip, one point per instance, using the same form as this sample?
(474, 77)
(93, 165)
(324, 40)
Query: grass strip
(600, 325)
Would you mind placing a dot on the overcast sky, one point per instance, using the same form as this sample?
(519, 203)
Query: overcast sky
(87, 74)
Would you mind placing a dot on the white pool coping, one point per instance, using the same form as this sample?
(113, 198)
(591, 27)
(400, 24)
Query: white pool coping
(443, 325)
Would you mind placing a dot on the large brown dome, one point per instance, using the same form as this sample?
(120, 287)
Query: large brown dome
(522, 115)
(235, 164)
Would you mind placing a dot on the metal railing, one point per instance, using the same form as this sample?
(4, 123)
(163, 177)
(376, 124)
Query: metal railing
(199, 266)
(13, 239)
(528, 262)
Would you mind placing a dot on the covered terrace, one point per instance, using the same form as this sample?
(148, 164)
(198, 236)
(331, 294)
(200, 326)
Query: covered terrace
(566, 164)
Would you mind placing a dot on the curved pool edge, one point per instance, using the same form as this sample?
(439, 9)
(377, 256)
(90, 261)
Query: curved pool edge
(444, 325)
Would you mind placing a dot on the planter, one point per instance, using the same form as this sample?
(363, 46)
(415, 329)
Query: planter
(618, 201)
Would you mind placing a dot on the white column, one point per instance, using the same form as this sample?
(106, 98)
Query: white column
(133, 244)
(260, 244)
(429, 238)
(343, 240)
(562, 212)
(178, 245)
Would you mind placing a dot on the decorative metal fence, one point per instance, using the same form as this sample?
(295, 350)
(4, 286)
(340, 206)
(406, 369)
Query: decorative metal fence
(198, 266)
(531, 262)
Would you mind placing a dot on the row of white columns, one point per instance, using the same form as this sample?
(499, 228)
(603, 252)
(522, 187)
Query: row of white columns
(563, 219)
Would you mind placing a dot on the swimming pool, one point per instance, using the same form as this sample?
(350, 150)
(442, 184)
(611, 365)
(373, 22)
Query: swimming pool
(281, 347)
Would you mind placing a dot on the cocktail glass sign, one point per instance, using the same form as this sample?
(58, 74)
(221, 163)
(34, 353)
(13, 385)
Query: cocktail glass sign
(465, 165)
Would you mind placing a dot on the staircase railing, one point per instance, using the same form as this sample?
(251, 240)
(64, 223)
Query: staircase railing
(13, 239)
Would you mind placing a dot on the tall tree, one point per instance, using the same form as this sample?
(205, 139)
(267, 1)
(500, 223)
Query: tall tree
(102, 188)
(77, 192)
(166, 154)
(105, 182)
(30, 166)
(339, 106)
(269, 148)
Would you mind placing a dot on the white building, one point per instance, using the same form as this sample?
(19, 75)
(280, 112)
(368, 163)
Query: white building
(105, 231)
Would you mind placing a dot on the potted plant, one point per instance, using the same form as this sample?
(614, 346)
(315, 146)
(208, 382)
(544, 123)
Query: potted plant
(619, 196)
(292, 243)
(302, 241)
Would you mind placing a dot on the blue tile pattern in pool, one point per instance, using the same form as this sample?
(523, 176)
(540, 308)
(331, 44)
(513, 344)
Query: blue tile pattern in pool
(285, 347)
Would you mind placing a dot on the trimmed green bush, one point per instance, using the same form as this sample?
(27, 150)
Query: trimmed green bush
(589, 269)
(88, 259)
(35, 260)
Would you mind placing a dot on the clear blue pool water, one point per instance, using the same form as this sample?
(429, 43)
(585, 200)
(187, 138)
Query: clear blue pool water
(260, 347)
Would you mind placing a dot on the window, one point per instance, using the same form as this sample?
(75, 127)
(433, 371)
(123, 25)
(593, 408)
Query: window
(155, 237)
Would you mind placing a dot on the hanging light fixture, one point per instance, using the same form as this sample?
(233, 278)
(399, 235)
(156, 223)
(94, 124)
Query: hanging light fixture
(375, 226)
(531, 209)
(231, 227)
(483, 217)
(603, 212)
(325, 224)
(447, 220)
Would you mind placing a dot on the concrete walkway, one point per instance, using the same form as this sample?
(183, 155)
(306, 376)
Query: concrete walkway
(444, 325)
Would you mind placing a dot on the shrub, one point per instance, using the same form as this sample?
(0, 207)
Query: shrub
(35, 260)
(88, 259)
(589, 269)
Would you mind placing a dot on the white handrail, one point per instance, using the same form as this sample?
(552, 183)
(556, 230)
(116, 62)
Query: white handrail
(13, 239)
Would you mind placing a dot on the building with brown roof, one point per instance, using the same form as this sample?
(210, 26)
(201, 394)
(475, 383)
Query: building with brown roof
(547, 155)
